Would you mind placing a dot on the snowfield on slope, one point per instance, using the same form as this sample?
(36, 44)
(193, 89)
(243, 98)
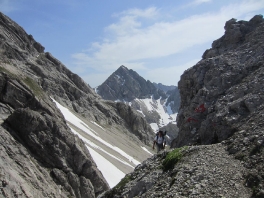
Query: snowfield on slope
(165, 112)
(108, 158)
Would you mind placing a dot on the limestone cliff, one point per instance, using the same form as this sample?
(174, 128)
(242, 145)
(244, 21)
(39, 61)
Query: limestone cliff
(40, 156)
(225, 87)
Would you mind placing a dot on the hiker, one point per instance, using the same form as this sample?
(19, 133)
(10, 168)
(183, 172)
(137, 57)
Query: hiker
(160, 141)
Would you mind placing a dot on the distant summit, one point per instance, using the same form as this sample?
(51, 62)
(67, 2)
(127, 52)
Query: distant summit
(125, 85)
(165, 88)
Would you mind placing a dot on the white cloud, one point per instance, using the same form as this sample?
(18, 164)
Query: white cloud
(141, 35)
(147, 13)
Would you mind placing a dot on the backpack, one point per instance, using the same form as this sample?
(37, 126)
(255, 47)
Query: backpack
(163, 135)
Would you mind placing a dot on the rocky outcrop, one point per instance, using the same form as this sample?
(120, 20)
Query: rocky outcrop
(135, 122)
(35, 127)
(17, 34)
(126, 85)
(222, 96)
(212, 108)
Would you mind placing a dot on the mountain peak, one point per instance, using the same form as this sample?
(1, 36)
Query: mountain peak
(125, 85)
(123, 68)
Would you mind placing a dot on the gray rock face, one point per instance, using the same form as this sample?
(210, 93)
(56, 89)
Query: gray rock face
(174, 99)
(165, 88)
(24, 41)
(39, 127)
(222, 96)
(138, 125)
(40, 156)
(125, 84)
(220, 91)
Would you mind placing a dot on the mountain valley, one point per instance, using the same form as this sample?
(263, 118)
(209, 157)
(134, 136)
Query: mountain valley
(61, 138)
(158, 103)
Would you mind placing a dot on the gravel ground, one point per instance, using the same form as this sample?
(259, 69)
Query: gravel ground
(203, 172)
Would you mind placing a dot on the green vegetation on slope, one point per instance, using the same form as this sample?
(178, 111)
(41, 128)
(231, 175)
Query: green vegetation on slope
(31, 84)
(35, 88)
(172, 158)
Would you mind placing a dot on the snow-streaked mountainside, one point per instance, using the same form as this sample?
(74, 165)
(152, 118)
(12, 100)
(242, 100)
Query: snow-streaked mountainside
(156, 102)
(110, 151)
(58, 138)
(150, 105)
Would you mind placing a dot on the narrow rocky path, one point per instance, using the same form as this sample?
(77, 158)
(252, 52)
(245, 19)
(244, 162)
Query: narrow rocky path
(203, 172)
(209, 171)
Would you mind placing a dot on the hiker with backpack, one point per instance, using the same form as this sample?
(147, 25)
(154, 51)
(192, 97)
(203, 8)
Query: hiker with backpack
(160, 141)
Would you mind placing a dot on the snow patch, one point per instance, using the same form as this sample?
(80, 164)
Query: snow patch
(141, 113)
(99, 148)
(70, 117)
(145, 149)
(154, 127)
(169, 109)
(95, 89)
(165, 112)
(110, 172)
(97, 125)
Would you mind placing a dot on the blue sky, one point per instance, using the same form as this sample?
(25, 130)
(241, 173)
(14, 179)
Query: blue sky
(158, 39)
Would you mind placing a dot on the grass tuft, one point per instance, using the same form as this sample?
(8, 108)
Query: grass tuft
(33, 86)
(172, 158)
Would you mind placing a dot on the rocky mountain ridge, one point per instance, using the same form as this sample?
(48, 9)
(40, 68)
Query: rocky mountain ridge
(220, 125)
(40, 156)
(165, 88)
(126, 85)
(158, 103)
